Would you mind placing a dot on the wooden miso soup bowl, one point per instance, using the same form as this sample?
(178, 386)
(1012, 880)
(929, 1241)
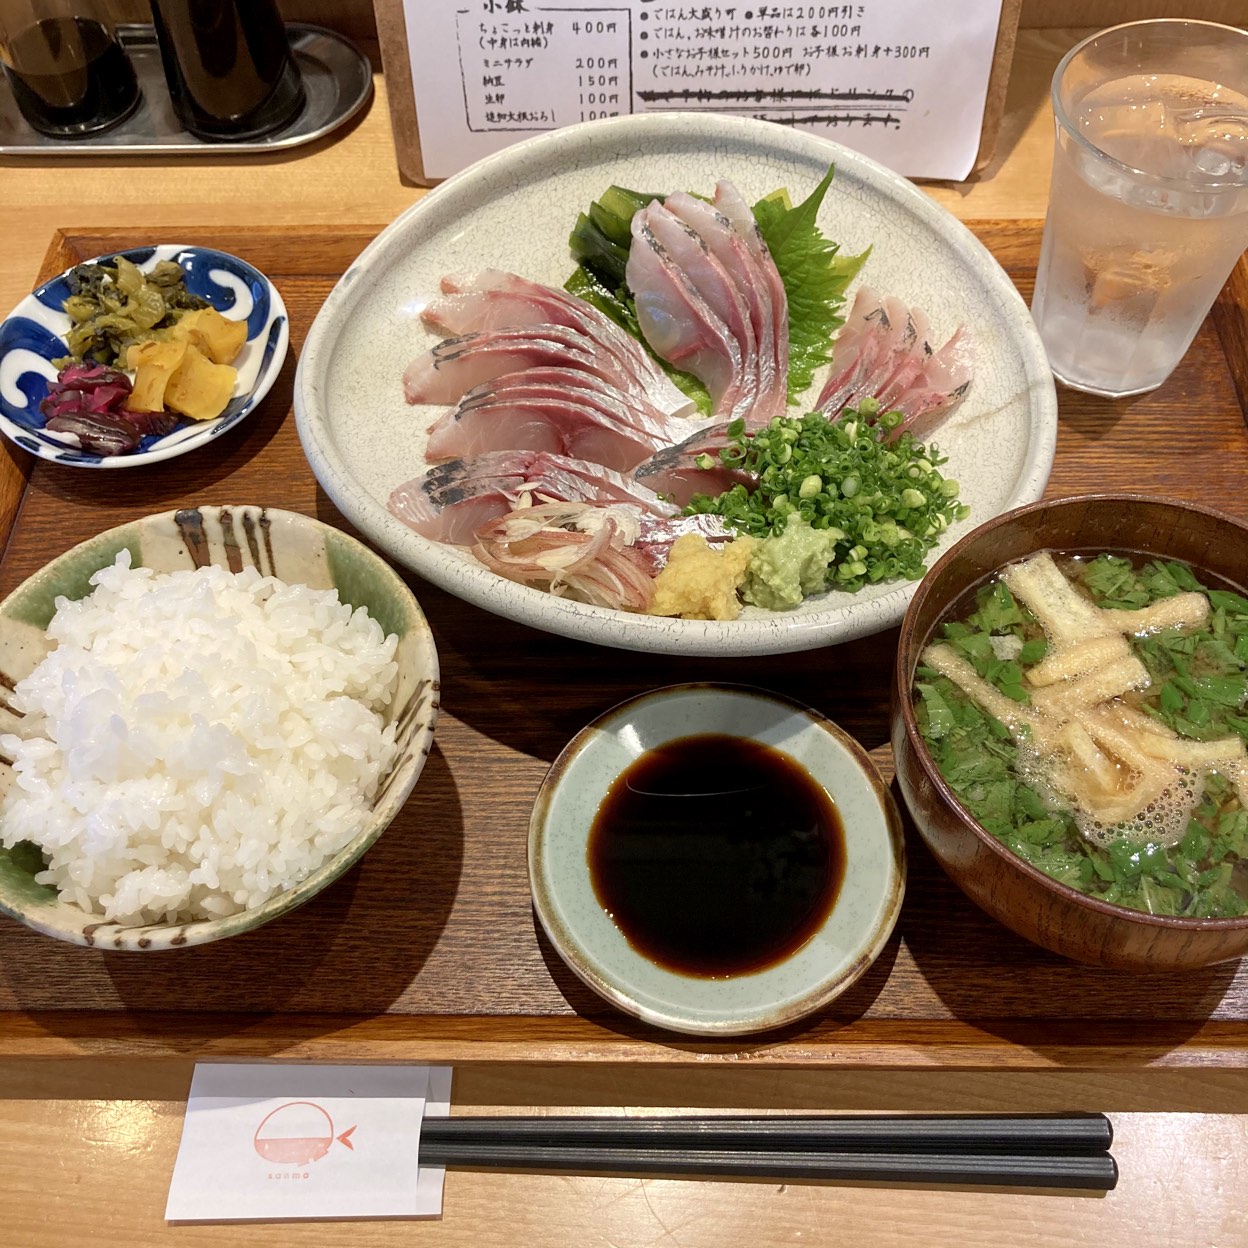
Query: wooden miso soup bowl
(1017, 894)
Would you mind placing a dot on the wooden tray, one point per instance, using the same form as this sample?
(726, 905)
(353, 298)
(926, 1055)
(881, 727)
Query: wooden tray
(428, 950)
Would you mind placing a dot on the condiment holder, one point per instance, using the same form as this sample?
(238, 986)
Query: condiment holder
(844, 942)
(337, 82)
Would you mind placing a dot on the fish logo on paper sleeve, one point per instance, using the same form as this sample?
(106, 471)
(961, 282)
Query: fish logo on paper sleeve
(298, 1133)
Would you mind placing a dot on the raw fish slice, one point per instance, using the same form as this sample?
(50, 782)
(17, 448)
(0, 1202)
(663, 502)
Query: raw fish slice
(941, 386)
(561, 426)
(725, 243)
(493, 299)
(556, 478)
(456, 365)
(676, 320)
(452, 500)
(455, 516)
(730, 204)
(693, 467)
(729, 201)
(656, 535)
(443, 374)
(856, 353)
(895, 348)
(689, 252)
(884, 351)
(911, 364)
(569, 383)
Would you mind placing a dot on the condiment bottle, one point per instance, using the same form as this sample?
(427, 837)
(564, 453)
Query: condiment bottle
(228, 64)
(69, 74)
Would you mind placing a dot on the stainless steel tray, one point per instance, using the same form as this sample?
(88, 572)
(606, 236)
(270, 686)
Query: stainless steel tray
(337, 78)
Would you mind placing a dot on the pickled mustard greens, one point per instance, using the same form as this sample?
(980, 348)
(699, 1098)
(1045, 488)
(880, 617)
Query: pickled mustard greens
(1193, 695)
(114, 305)
(884, 505)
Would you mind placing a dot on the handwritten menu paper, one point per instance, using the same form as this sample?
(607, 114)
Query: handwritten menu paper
(902, 81)
(288, 1141)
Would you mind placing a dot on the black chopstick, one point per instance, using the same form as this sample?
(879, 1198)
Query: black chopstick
(907, 1133)
(1092, 1171)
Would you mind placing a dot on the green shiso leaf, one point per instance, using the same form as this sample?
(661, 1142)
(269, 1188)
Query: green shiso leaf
(815, 277)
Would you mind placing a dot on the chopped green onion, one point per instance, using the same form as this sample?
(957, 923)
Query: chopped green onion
(842, 476)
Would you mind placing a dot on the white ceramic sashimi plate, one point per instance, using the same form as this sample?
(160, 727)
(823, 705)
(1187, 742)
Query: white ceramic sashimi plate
(515, 210)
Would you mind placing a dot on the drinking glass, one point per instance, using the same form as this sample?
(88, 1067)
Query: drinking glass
(1148, 205)
(70, 76)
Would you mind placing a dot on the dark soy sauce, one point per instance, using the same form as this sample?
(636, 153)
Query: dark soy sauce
(716, 856)
(70, 77)
(228, 66)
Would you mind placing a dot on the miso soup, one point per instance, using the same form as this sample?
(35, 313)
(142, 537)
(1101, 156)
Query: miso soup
(1090, 713)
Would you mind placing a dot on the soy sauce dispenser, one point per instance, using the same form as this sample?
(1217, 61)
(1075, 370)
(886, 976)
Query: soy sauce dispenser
(69, 74)
(229, 67)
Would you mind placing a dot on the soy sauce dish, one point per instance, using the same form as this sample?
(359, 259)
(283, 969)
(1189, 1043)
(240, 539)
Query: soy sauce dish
(715, 859)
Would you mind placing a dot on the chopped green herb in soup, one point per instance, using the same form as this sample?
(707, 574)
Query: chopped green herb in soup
(1090, 713)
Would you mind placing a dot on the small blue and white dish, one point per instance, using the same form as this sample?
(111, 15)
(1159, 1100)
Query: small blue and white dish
(34, 335)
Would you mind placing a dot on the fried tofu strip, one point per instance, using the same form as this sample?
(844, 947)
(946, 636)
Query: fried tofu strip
(1077, 659)
(1085, 759)
(1151, 776)
(1074, 696)
(1184, 612)
(1014, 715)
(1193, 753)
(1064, 613)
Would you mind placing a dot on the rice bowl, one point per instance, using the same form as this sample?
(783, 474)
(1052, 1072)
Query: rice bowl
(211, 738)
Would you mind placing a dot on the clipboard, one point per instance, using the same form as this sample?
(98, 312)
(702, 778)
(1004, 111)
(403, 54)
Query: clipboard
(396, 64)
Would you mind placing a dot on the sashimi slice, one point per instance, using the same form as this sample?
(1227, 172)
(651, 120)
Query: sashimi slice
(855, 353)
(746, 269)
(451, 501)
(894, 351)
(693, 467)
(583, 387)
(676, 319)
(451, 368)
(560, 426)
(941, 385)
(884, 352)
(690, 253)
(731, 205)
(494, 299)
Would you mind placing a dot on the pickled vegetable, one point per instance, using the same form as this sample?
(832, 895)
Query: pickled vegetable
(217, 337)
(91, 403)
(114, 305)
(154, 364)
(199, 388)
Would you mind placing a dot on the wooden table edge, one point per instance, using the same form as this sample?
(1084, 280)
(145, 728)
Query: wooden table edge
(466, 1040)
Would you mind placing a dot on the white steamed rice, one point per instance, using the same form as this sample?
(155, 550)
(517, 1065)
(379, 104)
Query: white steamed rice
(197, 742)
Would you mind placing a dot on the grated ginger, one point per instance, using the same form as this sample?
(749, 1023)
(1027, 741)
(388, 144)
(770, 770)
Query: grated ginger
(700, 581)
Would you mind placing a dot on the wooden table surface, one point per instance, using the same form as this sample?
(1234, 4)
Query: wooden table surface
(75, 1120)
